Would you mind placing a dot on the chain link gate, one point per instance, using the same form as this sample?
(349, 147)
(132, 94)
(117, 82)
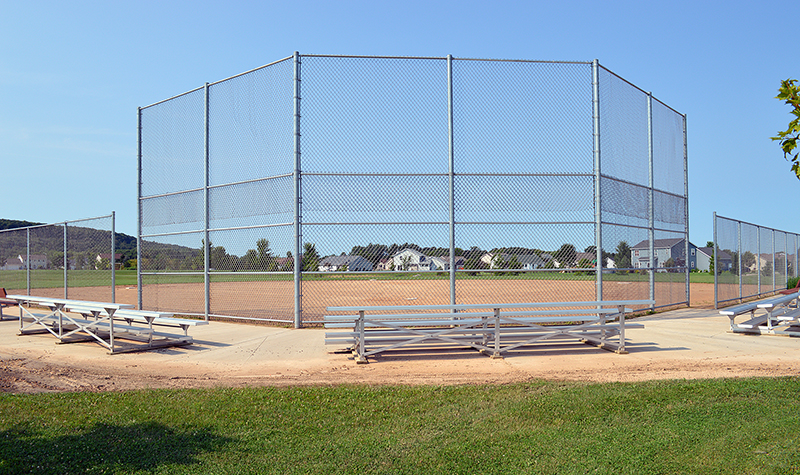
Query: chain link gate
(342, 180)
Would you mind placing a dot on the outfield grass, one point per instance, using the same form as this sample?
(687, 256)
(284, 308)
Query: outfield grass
(707, 426)
(93, 278)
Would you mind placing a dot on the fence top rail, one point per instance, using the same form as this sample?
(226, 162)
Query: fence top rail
(491, 306)
(755, 225)
(213, 83)
(640, 90)
(60, 223)
(442, 58)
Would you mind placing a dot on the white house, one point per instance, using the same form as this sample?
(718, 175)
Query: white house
(13, 264)
(350, 263)
(409, 259)
(443, 263)
(38, 261)
(528, 261)
(384, 264)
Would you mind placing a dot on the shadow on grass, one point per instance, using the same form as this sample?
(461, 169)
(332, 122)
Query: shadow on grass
(105, 448)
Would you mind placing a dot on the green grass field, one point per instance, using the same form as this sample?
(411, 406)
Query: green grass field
(706, 426)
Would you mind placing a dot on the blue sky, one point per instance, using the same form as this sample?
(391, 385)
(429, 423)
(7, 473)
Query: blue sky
(73, 73)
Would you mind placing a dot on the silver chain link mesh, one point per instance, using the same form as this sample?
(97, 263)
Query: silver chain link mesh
(762, 260)
(32, 260)
(374, 202)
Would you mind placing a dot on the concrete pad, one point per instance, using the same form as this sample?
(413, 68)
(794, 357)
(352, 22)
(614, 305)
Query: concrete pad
(684, 343)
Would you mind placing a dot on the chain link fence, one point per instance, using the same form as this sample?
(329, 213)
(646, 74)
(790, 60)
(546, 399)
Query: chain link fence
(329, 180)
(74, 259)
(750, 261)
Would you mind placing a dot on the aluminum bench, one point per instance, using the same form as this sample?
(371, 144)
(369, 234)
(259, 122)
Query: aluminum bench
(492, 329)
(154, 321)
(777, 311)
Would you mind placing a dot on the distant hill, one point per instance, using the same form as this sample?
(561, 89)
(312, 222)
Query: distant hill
(13, 223)
(49, 240)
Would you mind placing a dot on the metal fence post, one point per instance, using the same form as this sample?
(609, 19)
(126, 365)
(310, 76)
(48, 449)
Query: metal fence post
(714, 252)
(785, 259)
(758, 257)
(66, 285)
(651, 198)
(28, 260)
(139, 211)
(451, 180)
(207, 209)
(298, 235)
(773, 260)
(739, 259)
(686, 211)
(113, 257)
(598, 218)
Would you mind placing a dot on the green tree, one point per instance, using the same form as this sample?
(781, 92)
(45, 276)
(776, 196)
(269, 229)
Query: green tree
(405, 262)
(766, 269)
(514, 263)
(789, 92)
(734, 261)
(289, 266)
(474, 262)
(622, 256)
(669, 264)
(249, 260)
(748, 260)
(220, 259)
(265, 262)
(310, 259)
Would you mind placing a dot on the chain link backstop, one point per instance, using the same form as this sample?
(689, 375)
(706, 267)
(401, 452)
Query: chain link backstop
(329, 180)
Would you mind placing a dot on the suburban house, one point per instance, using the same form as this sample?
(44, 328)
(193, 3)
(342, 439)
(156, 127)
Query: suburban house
(38, 261)
(528, 261)
(704, 256)
(340, 263)
(107, 257)
(443, 263)
(409, 259)
(664, 249)
(13, 264)
(384, 264)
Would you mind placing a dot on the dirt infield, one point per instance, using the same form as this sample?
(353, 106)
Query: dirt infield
(275, 300)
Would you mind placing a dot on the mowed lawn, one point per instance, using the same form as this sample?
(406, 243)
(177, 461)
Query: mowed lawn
(54, 278)
(706, 426)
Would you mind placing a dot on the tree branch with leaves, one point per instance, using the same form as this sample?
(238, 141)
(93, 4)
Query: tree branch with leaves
(789, 92)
